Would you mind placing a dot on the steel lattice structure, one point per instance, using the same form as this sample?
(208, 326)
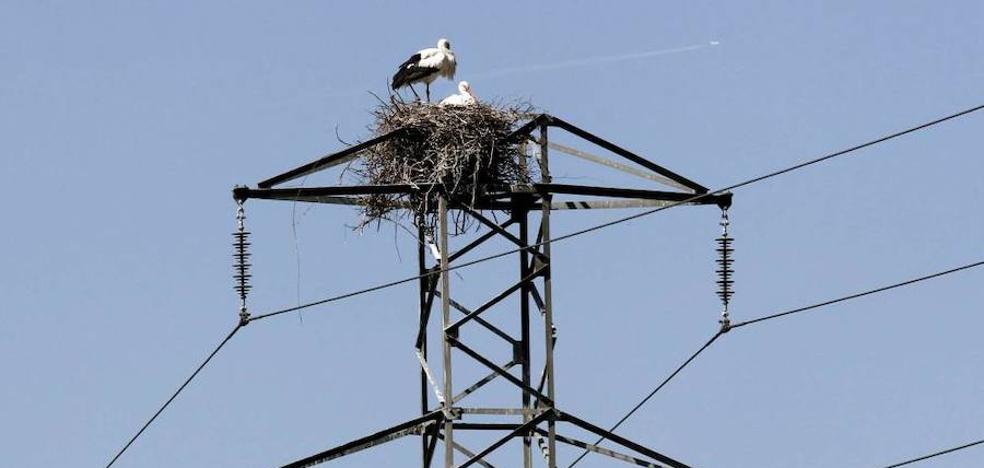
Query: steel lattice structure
(536, 420)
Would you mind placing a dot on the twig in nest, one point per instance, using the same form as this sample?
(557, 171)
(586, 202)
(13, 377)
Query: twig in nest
(454, 151)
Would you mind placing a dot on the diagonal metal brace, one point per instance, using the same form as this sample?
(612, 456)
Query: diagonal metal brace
(330, 160)
(600, 450)
(621, 440)
(499, 230)
(556, 122)
(466, 452)
(453, 328)
(414, 426)
(485, 362)
(616, 165)
(433, 432)
(431, 282)
(484, 237)
(430, 377)
(492, 328)
(521, 430)
(481, 383)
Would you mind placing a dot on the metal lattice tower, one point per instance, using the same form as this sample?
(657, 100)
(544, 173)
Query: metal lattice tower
(535, 418)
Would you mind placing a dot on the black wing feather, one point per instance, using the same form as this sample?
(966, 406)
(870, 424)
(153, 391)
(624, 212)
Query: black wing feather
(410, 72)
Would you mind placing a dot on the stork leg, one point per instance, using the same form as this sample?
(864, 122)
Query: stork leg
(414, 92)
(428, 87)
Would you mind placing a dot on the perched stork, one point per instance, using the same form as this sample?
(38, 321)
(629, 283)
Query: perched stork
(463, 98)
(426, 66)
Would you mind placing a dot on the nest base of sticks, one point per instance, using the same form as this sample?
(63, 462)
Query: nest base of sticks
(452, 151)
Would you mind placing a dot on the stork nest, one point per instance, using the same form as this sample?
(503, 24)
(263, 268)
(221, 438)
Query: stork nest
(457, 152)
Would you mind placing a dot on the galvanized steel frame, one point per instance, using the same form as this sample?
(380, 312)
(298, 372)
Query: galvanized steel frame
(536, 407)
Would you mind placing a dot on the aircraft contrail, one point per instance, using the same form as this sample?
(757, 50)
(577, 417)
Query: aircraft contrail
(594, 60)
(581, 62)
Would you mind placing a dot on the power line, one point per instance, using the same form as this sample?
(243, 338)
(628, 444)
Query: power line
(783, 314)
(657, 389)
(608, 224)
(944, 452)
(558, 239)
(346, 295)
(175, 395)
(861, 294)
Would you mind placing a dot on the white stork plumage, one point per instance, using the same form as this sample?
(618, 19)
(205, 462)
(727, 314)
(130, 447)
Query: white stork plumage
(426, 66)
(463, 98)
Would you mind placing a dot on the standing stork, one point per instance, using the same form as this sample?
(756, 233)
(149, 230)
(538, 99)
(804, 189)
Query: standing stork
(426, 66)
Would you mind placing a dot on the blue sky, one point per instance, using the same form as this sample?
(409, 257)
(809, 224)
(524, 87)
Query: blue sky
(125, 124)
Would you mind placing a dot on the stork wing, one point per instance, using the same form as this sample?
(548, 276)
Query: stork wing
(431, 58)
(413, 60)
(453, 100)
(411, 71)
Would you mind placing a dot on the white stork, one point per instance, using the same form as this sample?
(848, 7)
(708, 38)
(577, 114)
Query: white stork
(463, 98)
(426, 66)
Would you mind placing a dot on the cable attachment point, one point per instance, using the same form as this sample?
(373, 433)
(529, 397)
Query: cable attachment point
(241, 263)
(725, 271)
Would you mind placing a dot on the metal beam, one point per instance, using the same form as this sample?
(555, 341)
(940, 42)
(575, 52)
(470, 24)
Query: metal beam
(430, 284)
(499, 230)
(555, 206)
(330, 160)
(337, 194)
(345, 194)
(485, 362)
(608, 204)
(643, 194)
(486, 426)
(471, 245)
(496, 411)
(430, 377)
(523, 429)
(494, 329)
(445, 337)
(528, 127)
(538, 300)
(548, 327)
(308, 193)
(435, 433)
(453, 328)
(556, 122)
(524, 319)
(467, 453)
(601, 450)
(619, 166)
(621, 440)
(426, 440)
(481, 382)
(410, 427)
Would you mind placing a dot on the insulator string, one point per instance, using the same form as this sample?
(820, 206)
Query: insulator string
(725, 270)
(241, 263)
